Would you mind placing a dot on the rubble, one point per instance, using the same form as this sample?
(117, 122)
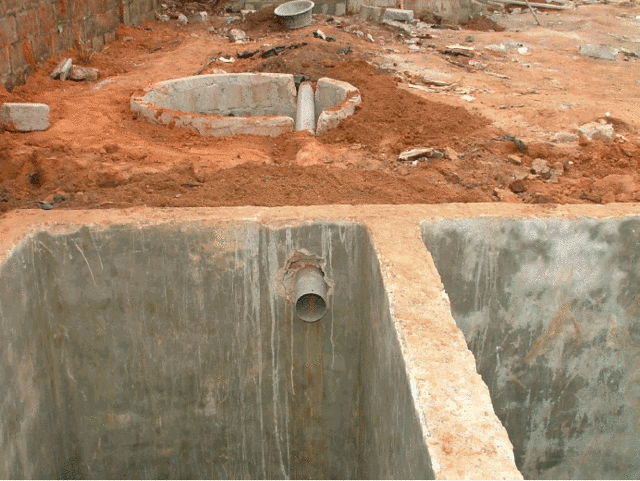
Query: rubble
(62, 69)
(182, 19)
(80, 74)
(198, 17)
(563, 137)
(415, 154)
(597, 131)
(598, 51)
(236, 35)
(541, 167)
(450, 154)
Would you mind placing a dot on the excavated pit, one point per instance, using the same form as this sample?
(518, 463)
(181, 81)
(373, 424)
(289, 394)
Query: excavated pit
(550, 309)
(169, 351)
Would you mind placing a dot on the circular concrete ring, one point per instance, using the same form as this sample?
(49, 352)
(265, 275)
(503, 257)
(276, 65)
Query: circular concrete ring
(242, 103)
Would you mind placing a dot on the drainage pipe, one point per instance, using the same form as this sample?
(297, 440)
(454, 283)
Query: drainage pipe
(310, 294)
(305, 111)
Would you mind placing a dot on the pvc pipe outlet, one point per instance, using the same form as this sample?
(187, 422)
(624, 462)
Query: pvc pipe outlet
(305, 112)
(310, 294)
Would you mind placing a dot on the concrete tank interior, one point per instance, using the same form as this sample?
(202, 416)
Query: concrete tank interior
(169, 351)
(550, 309)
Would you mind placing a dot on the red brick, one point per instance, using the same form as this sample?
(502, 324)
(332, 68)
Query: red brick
(8, 33)
(27, 24)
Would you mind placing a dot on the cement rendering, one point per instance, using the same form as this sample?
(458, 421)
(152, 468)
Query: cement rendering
(550, 310)
(149, 296)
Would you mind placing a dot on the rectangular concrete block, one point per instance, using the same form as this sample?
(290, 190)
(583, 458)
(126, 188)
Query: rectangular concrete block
(398, 15)
(370, 14)
(25, 117)
(341, 8)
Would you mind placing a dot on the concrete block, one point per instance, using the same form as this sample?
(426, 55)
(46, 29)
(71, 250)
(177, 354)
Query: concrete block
(335, 101)
(598, 51)
(341, 9)
(370, 14)
(25, 117)
(398, 15)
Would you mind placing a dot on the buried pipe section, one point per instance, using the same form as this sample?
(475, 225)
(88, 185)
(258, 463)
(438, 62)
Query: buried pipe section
(305, 109)
(310, 292)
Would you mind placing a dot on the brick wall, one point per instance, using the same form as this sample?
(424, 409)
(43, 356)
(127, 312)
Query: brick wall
(31, 31)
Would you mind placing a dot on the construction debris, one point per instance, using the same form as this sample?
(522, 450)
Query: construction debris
(80, 74)
(598, 51)
(62, 69)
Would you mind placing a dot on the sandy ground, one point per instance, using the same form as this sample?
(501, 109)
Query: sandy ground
(527, 82)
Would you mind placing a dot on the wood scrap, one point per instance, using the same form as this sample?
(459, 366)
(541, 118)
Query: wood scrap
(549, 6)
(208, 63)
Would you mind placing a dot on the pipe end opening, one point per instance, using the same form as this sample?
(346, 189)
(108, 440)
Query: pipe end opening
(311, 307)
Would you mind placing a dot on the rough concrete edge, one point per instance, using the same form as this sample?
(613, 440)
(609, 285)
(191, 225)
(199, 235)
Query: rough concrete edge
(331, 116)
(464, 437)
(18, 224)
(210, 125)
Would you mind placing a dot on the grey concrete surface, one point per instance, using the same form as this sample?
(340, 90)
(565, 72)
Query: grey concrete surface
(172, 351)
(550, 308)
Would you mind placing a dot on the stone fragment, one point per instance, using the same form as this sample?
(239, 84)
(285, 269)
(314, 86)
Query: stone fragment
(182, 19)
(370, 38)
(597, 131)
(413, 154)
(506, 195)
(598, 51)
(398, 15)
(25, 117)
(562, 137)
(80, 74)
(62, 69)
(162, 18)
(541, 167)
(320, 34)
(515, 158)
(517, 186)
(237, 35)
(198, 17)
(450, 154)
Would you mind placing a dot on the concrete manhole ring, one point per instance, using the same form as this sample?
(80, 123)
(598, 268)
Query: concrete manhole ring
(247, 103)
